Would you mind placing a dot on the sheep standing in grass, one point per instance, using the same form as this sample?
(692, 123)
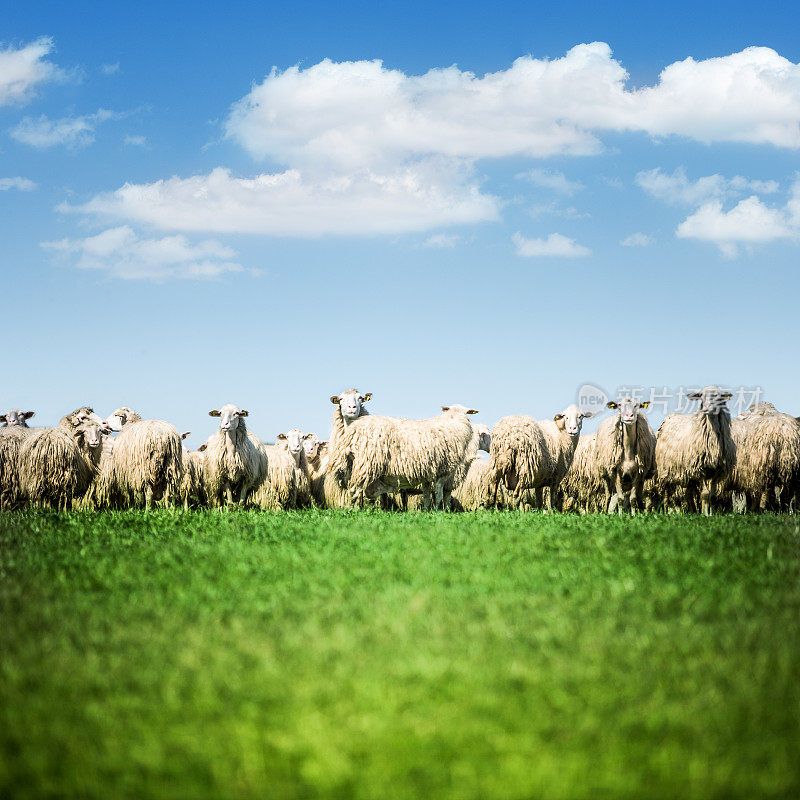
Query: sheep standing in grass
(11, 438)
(379, 455)
(767, 457)
(452, 495)
(581, 489)
(696, 452)
(145, 464)
(15, 417)
(292, 443)
(55, 467)
(317, 459)
(625, 453)
(349, 406)
(233, 463)
(529, 455)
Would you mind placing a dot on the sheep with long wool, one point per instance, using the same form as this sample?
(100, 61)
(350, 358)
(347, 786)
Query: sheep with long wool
(529, 455)
(317, 460)
(378, 455)
(624, 453)
(144, 466)
(695, 452)
(581, 489)
(15, 417)
(233, 463)
(767, 466)
(348, 407)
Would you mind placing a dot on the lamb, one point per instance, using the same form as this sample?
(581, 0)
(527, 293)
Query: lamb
(767, 466)
(233, 463)
(14, 417)
(527, 454)
(317, 459)
(349, 407)
(696, 451)
(192, 493)
(581, 489)
(625, 454)
(55, 467)
(378, 455)
(145, 464)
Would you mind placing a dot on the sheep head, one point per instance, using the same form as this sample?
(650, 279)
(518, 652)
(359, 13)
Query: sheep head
(571, 419)
(628, 408)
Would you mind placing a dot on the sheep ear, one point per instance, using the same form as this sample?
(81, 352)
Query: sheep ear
(244, 413)
(186, 434)
(308, 435)
(367, 397)
(472, 411)
(335, 399)
(214, 413)
(645, 404)
(281, 435)
(28, 414)
(2, 417)
(726, 395)
(611, 404)
(694, 395)
(202, 447)
(587, 414)
(557, 417)
(76, 421)
(445, 408)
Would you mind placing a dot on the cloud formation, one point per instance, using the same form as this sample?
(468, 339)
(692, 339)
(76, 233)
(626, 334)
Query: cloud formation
(23, 69)
(417, 198)
(359, 112)
(555, 245)
(678, 189)
(21, 184)
(72, 132)
(553, 180)
(121, 253)
(637, 240)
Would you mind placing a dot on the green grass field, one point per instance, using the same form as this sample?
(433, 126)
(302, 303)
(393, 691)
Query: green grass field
(371, 655)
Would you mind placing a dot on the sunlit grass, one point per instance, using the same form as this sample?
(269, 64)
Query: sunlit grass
(376, 655)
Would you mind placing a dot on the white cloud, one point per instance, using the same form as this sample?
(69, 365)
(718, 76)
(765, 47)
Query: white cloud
(441, 241)
(71, 132)
(121, 253)
(23, 69)
(22, 184)
(136, 141)
(553, 208)
(416, 198)
(749, 222)
(110, 69)
(678, 189)
(637, 240)
(552, 179)
(554, 245)
(360, 112)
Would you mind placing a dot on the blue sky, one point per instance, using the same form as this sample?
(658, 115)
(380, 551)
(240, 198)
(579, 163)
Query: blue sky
(185, 227)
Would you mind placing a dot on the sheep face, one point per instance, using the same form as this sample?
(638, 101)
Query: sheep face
(119, 418)
(229, 417)
(293, 441)
(87, 415)
(484, 437)
(91, 436)
(16, 417)
(628, 409)
(351, 402)
(712, 399)
(311, 445)
(458, 409)
(571, 419)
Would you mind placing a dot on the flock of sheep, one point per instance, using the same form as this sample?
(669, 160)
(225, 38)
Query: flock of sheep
(701, 461)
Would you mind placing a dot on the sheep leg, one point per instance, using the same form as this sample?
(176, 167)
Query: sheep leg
(426, 498)
(622, 500)
(636, 489)
(148, 498)
(439, 495)
(707, 496)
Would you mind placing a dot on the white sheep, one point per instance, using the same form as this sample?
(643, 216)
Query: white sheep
(317, 459)
(11, 438)
(293, 444)
(767, 467)
(55, 464)
(349, 406)
(233, 463)
(695, 452)
(581, 488)
(143, 465)
(529, 455)
(379, 455)
(625, 453)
